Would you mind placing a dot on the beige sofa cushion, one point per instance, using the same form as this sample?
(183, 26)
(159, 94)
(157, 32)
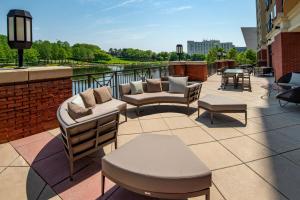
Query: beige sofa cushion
(154, 85)
(102, 95)
(88, 98)
(148, 169)
(221, 103)
(76, 111)
(157, 97)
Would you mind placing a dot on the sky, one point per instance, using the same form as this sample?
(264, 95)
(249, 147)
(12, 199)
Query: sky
(156, 25)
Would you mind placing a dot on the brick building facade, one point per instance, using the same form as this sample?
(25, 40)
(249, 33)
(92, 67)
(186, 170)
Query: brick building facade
(278, 23)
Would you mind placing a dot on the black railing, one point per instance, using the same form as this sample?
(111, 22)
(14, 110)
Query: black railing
(81, 83)
(112, 79)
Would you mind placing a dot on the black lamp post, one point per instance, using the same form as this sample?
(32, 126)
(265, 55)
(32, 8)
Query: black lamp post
(179, 50)
(19, 31)
(219, 54)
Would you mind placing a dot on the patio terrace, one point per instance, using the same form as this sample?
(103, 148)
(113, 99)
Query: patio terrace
(260, 161)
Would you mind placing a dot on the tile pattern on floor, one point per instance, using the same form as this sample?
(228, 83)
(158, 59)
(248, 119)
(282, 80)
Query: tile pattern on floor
(257, 161)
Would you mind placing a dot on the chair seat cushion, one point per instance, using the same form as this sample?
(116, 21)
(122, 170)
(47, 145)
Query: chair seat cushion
(158, 164)
(221, 103)
(157, 97)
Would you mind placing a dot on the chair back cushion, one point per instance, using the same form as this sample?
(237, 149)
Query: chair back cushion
(177, 84)
(295, 80)
(75, 111)
(102, 95)
(154, 85)
(136, 87)
(88, 98)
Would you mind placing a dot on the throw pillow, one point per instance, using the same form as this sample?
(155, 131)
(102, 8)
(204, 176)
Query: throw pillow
(102, 95)
(295, 80)
(88, 98)
(177, 84)
(154, 85)
(136, 87)
(75, 111)
(78, 101)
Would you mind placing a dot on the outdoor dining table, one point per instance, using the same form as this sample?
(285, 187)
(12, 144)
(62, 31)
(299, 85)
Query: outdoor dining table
(235, 73)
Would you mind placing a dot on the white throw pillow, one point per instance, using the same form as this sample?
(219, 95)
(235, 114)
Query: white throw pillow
(78, 101)
(177, 84)
(136, 87)
(295, 80)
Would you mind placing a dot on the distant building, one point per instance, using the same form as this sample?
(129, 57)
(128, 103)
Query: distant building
(250, 37)
(241, 49)
(206, 45)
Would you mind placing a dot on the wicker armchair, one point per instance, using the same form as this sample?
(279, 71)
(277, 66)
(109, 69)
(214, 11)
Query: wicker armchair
(86, 135)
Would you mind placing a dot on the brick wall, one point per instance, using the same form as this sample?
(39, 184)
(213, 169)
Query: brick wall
(262, 57)
(30, 108)
(196, 71)
(286, 53)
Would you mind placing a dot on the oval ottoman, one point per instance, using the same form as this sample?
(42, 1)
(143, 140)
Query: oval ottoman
(157, 166)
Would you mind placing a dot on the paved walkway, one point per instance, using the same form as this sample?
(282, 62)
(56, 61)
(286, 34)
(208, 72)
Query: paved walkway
(260, 161)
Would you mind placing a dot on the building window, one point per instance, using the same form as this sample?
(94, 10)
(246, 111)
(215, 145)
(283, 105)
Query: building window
(267, 4)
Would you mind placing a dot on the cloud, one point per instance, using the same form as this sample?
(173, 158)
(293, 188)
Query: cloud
(123, 4)
(177, 9)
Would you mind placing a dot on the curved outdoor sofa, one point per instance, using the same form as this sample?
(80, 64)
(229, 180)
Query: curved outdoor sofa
(86, 135)
(191, 94)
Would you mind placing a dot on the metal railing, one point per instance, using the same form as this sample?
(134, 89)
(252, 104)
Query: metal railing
(113, 79)
(81, 83)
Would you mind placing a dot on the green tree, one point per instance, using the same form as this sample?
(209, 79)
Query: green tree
(102, 56)
(198, 57)
(173, 56)
(232, 54)
(250, 56)
(212, 55)
(31, 56)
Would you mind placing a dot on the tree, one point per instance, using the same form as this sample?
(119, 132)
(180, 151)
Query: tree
(247, 57)
(212, 55)
(31, 56)
(101, 55)
(232, 54)
(173, 56)
(198, 57)
(250, 56)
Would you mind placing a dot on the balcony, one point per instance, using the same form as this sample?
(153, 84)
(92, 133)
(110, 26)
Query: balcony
(259, 161)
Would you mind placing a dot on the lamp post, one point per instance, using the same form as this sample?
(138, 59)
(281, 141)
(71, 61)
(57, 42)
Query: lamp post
(179, 50)
(219, 54)
(19, 32)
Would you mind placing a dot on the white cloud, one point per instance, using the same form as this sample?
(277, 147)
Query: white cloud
(122, 4)
(177, 9)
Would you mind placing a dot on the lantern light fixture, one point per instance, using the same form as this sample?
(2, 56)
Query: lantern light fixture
(19, 31)
(179, 50)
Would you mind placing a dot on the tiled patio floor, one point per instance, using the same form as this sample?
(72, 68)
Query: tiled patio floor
(260, 161)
